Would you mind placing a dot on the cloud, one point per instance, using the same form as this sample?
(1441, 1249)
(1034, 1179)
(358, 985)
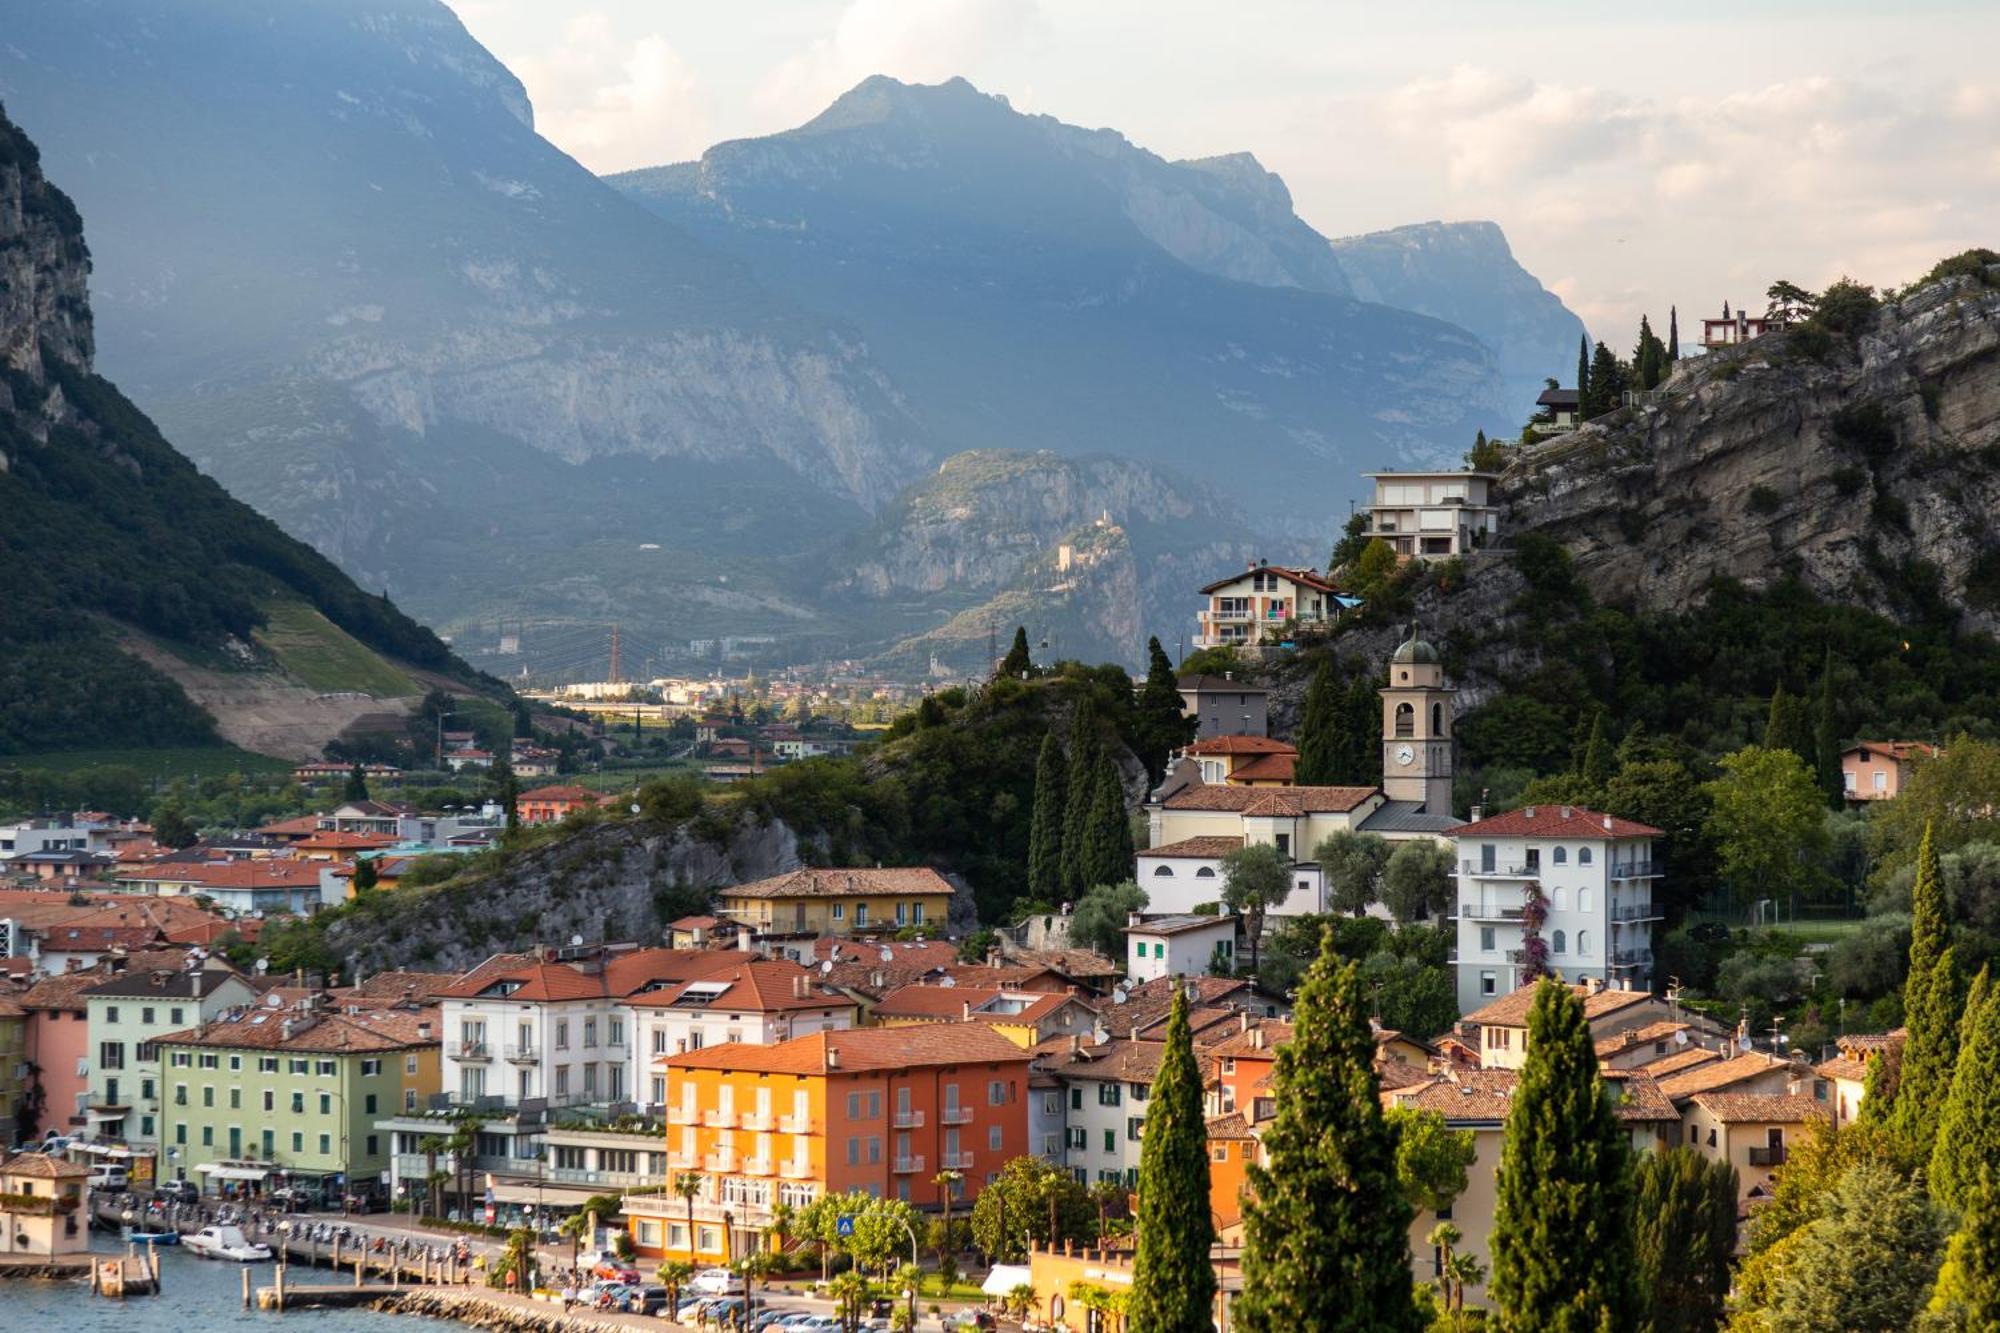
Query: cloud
(614, 101)
(920, 41)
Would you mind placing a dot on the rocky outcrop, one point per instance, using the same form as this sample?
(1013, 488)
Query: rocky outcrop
(44, 280)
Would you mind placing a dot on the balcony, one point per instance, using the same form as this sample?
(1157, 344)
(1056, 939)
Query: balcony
(909, 1120)
(524, 1055)
(1637, 870)
(955, 1115)
(908, 1166)
(1635, 912)
(683, 1115)
(1771, 1156)
(719, 1119)
(757, 1122)
(570, 1175)
(795, 1124)
(956, 1161)
(682, 1161)
(1476, 870)
(1632, 958)
(467, 1052)
(1490, 912)
(756, 1166)
(722, 1159)
(795, 1170)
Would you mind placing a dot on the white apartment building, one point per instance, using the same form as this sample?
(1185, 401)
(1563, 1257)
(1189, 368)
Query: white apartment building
(1433, 515)
(758, 1003)
(1595, 875)
(1177, 946)
(1105, 1091)
(556, 1030)
(1254, 607)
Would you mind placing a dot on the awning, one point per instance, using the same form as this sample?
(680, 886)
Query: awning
(1005, 1277)
(233, 1170)
(101, 1149)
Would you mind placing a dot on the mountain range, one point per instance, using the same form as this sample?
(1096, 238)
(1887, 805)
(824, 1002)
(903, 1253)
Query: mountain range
(337, 263)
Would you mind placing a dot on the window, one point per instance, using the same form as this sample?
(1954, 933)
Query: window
(182, 1059)
(1583, 856)
(111, 1055)
(1534, 857)
(1562, 856)
(181, 1133)
(208, 1136)
(267, 1064)
(369, 1103)
(1206, 872)
(370, 1068)
(236, 1099)
(206, 1060)
(994, 1137)
(1583, 943)
(174, 1015)
(1134, 1125)
(999, 1092)
(1284, 841)
(146, 1015)
(1583, 900)
(180, 1094)
(1559, 900)
(1488, 856)
(325, 1143)
(1138, 1091)
(270, 1099)
(298, 1141)
(409, 1064)
(1076, 1099)
(236, 1063)
(1486, 983)
(1076, 1138)
(1108, 1094)
(1881, 780)
(902, 914)
(1486, 940)
(208, 1096)
(111, 1013)
(562, 1034)
(373, 1145)
(1111, 1140)
(326, 1103)
(861, 914)
(916, 914)
(1560, 943)
(840, 911)
(298, 1066)
(326, 1068)
(409, 1099)
(590, 1032)
(298, 1103)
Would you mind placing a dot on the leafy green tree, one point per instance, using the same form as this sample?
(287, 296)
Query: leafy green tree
(1967, 1296)
(1968, 1134)
(1018, 1205)
(1018, 663)
(1686, 1239)
(172, 827)
(1562, 1223)
(1319, 730)
(1173, 1275)
(357, 784)
(1933, 1001)
(1864, 1265)
(366, 876)
(1374, 570)
(1768, 823)
(1352, 864)
(1486, 455)
(1417, 881)
(1160, 723)
(1665, 794)
(882, 1233)
(1098, 920)
(1045, 828)
(1107, 840)
(1953, 799)
(1255, 878)
(1432, 1158)
(1353, 540)
(1326, 1226)
(1410, 994)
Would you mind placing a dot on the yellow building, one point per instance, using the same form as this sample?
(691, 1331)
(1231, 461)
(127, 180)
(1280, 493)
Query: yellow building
(41, 1205)
(821, 900)
(13, 1061)
(1025, 1018)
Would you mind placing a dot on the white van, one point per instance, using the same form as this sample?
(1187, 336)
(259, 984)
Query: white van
(109, 1178)
(716, 1282)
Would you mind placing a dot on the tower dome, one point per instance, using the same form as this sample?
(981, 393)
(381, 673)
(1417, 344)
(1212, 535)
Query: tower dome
(1414, 650)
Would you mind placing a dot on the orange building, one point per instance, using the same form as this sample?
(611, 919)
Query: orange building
(548, 805)
(880, 1110)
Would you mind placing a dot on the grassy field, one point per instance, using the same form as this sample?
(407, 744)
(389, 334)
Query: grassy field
(321, 656)
(206, 762)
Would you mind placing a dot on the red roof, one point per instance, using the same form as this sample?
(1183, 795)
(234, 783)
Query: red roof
(1278, 801)
(1241, 745)
(1897, 750)
(762, 987)
(862, 1050)
(1555, 821)
(1311, 578)
(269, 873)
(622, 974)
(573, 795)
(1267, 768)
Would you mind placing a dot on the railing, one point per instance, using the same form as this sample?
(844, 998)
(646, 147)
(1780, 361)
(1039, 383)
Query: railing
(572, 1175)
(1637, 869)
(1496, 871)
(1631, 957)
(524, 1055)
(956, 1161)
(795, 1170)
(683, 1115)
(1483, 912)
(955, 1115)
(905, 1166)
(909, 1120)
(682, 1161)
(466, 1050)
(723, 1159)
(756, 1166)
(1634, 912)
(795, 1124)
(719, 1119)
(1768, 1156)
(756, 1121)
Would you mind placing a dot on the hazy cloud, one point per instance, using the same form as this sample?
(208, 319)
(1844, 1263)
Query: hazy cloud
(615, 101)
(919, 41)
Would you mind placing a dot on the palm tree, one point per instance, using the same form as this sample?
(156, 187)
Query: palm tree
(464, 1139)
(1455, 1271)
(1021, 1300)
(431, 1146)
(849, 1292)
(946, 1181)
(783, 1216)
(673, 1275)
(575, 1226)
(688, 1185)
(1106, 1194)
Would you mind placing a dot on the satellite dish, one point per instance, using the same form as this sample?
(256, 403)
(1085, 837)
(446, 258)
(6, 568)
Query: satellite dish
(263, 966)
(576, 939)
(888, 954)
(1681, 1037)
(635, 807)
(826, 968)
(947, 980)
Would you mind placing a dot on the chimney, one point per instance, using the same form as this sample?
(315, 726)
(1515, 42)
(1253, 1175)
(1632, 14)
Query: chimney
(1243, 1020)
(423, 1032)
(966, 1015)
(832, 1057)
(1607, 823)
(1566, 812)
(1477, 813)
(1257, 1038)
(1076, 1043)
(1529, 812)
(1134, 920)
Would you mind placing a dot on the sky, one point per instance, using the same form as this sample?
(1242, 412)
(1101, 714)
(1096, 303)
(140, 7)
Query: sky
(1637, 157)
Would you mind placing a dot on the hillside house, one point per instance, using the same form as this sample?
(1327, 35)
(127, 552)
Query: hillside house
(1177, 946)
(1735, 330)
(1877, 770)
(821, 900)
(1563, 409)
(1224, 706)
(1265, 604)
(1433, 515)
(549, 805)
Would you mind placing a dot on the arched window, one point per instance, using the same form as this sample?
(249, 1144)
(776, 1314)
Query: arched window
(1406, 720)
(1583, 856)
(1583, 943)
(1583, 900)
(1206, 872)
(1166, 871)
(1561, 944)
(1562, 856)
(1437, 719)
(1559, 900)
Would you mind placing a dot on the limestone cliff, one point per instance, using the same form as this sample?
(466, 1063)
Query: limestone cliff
(44, 276)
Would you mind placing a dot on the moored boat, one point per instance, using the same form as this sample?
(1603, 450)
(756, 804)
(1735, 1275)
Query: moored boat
(226, 1242)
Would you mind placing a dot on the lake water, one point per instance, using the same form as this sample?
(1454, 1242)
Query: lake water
(200, 1296)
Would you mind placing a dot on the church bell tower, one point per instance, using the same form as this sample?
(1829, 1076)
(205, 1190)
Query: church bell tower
(1416, 727)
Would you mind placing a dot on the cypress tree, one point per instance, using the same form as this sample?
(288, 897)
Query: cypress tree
(1017, 662)
(1582, 368)
(357, 783)
(1562, 1222)
(1787, 727)
(1968, 1136)
(1173, 1277)
(1932, 1002)
(1361, 735)
(1107, 837)
(1685, 1218)
(1673, 333)
(1598, 765)
(1826, 737)
(1083, 748)
(1607, 382)
(1968, 1286)
(1045, 830)
(1319, 731)
(1326, 1227)
(1160, 721)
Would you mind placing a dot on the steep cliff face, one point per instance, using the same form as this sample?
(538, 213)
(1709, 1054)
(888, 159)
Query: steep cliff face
(44, 276)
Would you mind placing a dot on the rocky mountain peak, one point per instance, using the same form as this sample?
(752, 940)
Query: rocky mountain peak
(44, 279)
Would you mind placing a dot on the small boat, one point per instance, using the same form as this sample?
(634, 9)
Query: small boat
(226, 1243)
(153, 1237)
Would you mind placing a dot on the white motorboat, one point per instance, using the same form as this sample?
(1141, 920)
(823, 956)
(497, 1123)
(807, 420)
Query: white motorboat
(226, 1243)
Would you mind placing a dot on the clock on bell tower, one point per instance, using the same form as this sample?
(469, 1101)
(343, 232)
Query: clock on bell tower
(1416, 727)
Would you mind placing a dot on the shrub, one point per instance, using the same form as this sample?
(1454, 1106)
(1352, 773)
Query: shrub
(1763, 500)
(1976, 263)
(1847, 480)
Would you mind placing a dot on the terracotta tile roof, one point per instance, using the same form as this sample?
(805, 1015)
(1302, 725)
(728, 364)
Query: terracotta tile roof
(1679, 1060)
(834, 882)
(922, 1001)
(1556, 821)
(1663, 1030)
(762, 987)
(332, 840)
(1267, 768)
(1394, 1074)
(1231, 1126)
(1241, 745)
(1472, 1095)
(1511, 1009)
(1898, 750)
(622, 974)
(695, 923)
(1639, 1097)
(261, 1027)
(908, 953)
(175, 983)
(304, 825)
(1844, 1067)
(266, 873)
(394, 985)
(93, 939)
(861, 1050)
(1311, 578)
(1149, 1002)
(41, 1166)
(1284, 802)
(1206, 848)
(1077, 964)
(1752, 1108)
(1115, 1061)
(1872, 1043)
(1259, 1041)
(573, 794)
(1719, 1074)
(11, 1008)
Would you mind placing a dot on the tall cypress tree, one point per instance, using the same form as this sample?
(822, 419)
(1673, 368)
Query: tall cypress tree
(1318, 763)
(1582, 368)
(1018, 662)
(1788, 727)
(1326, 1227)
(1968, 1136)
(1686, 1239)
(1673, 333)
(1933, 999)
(1083, 750)
(1598, 764)
(1361, 735)
(1968, 1286)
(1159, 719)
(1107, 836)
(1045, 830)
(1173, 1275)
(1562, 1224)
(1826, 737)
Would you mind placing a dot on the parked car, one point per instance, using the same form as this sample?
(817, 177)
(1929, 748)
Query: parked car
(109, 1178)
(648, 1299)
(716, 1282)
(179, 1191)
(615, 1270)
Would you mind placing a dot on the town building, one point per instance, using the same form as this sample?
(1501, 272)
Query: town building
(1751, 1131)
(263, 1094)
(129, 1016)
(1179, 945)
(41, 1205)
(1877, 770)
(759, 1003)
(1561, 411)
(1024, 1017)
(1433, 515)
(1502, 1024)
(1590, 875)
(250, 886)
(549, 805)
(1737, 329)
(57, 1040)
(1225, 706)
(1187, 874)
(1417, 738)
(820, 900)
(1267, 604)
(881, 1110)
(1106, 1086)
(1243, 761)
